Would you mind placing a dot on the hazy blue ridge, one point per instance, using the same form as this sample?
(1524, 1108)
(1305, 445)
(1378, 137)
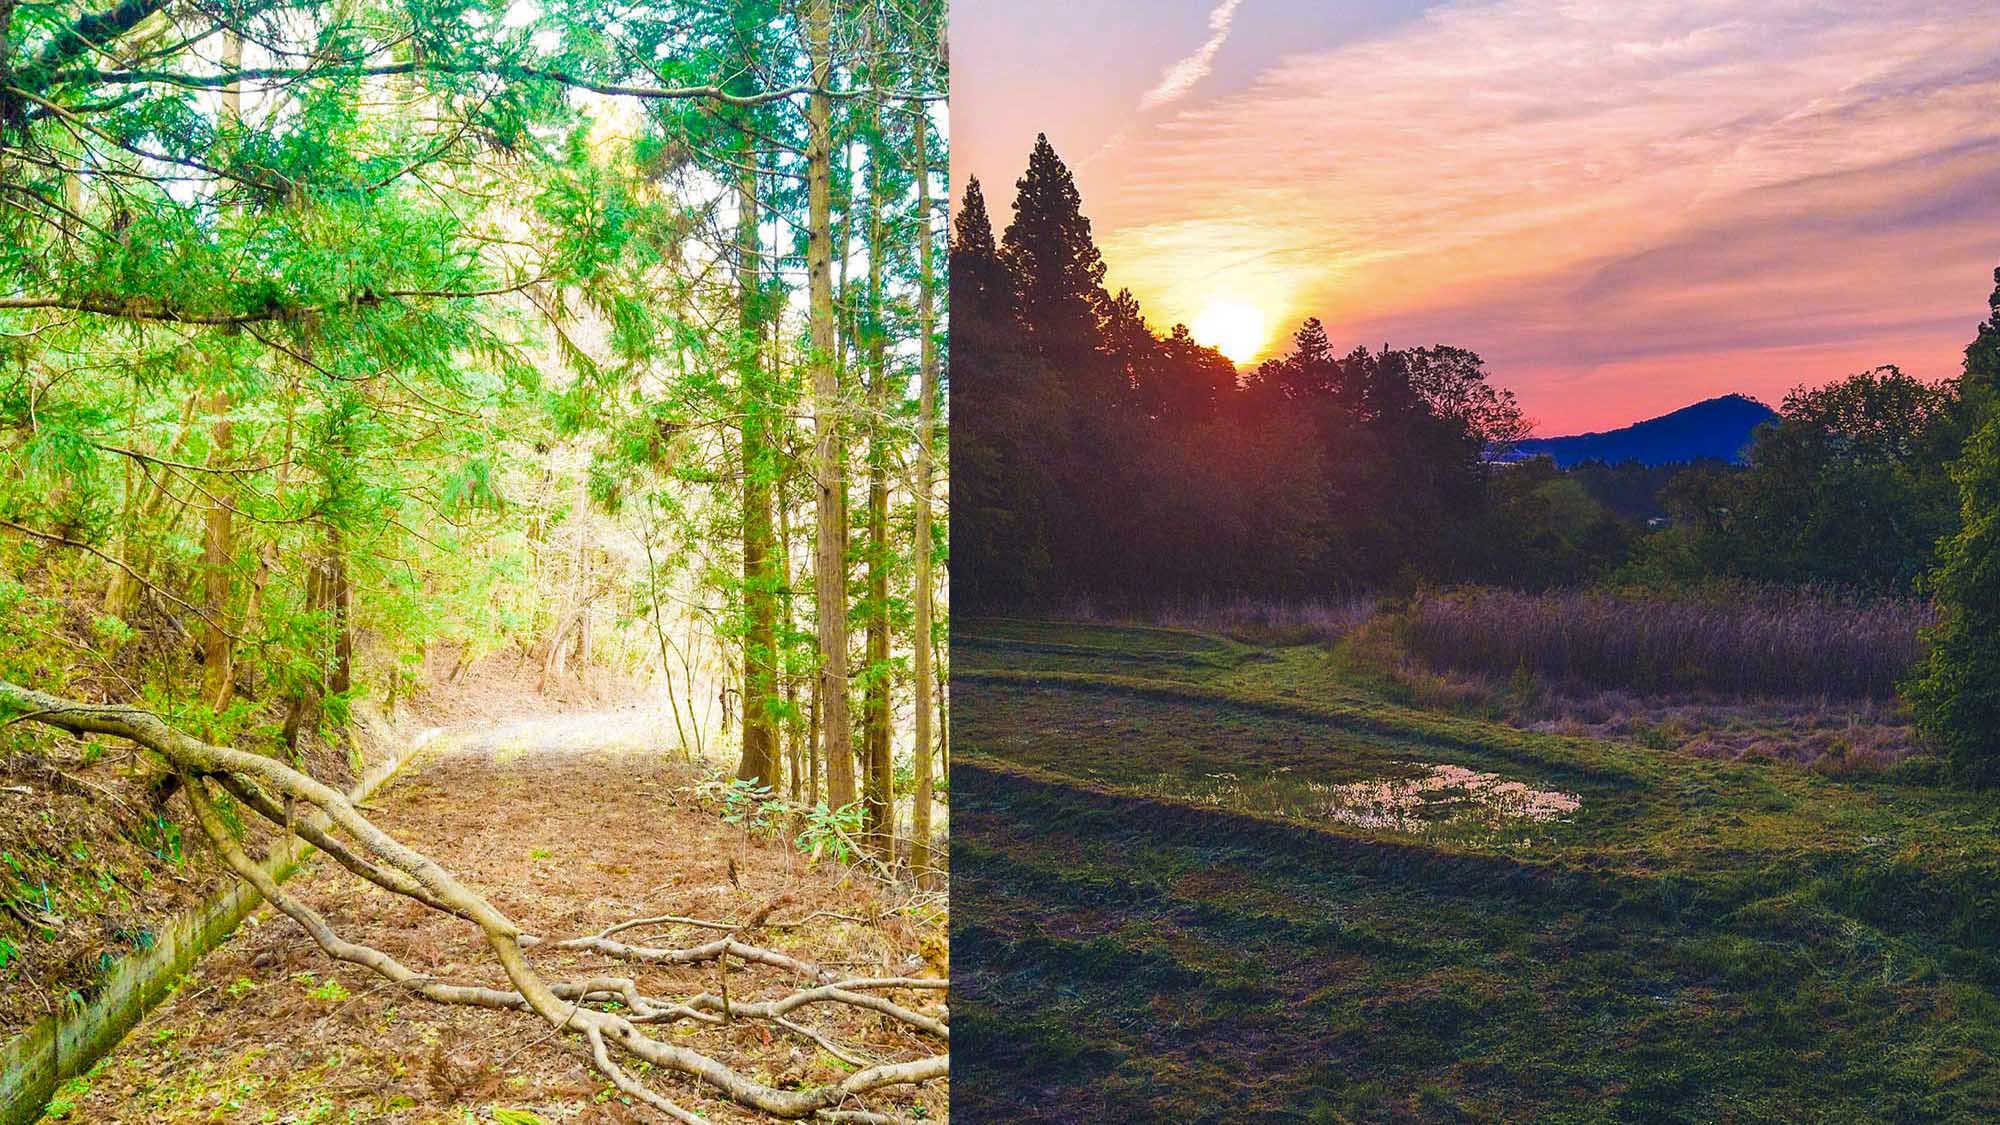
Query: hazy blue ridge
(1717, 429)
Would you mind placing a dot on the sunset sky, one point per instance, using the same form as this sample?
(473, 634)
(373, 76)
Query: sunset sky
(1625, 207)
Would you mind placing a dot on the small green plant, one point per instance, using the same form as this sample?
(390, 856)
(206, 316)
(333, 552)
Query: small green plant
(63, 1102)
(113, 631)
(329, 991)
(8, 950)
(743, 802)
(1524, 686)
(822, 831)
(830, 831)
(162, 837)
(538, 853)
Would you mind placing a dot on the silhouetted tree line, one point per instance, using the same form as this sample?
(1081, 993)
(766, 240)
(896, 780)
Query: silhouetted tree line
(1850, 486)
(1094, 455)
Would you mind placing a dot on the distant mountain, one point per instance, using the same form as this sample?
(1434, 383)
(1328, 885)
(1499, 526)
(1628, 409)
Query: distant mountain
(1717, 429)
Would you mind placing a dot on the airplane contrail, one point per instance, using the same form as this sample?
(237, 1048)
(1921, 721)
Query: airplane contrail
(1183, 75)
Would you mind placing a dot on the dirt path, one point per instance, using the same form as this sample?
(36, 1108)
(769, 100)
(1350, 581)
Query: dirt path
(568, 823)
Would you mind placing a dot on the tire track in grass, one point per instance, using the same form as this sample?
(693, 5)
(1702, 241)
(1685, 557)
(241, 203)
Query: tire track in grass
(1710, 946)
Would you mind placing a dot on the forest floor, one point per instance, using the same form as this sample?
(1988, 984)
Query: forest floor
(568, 821)
(1206, 880)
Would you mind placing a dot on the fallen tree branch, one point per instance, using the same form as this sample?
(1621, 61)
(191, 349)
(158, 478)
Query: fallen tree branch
(826, 1044)
(395, 866)
(759, 919)
(692, 955)
(313, 832)
(776, 1010)
(625, 1082)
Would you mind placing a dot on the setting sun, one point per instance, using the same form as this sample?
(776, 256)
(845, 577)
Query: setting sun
(1236, 330)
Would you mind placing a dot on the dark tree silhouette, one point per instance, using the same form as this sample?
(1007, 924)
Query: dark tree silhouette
(979, 282)
(1957, 698)
(1848, 487)
(1095, 456)
(1057, 270)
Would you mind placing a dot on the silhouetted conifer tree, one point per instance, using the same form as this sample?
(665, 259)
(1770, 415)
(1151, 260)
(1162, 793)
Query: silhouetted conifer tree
(979, 282)
(1057, 269)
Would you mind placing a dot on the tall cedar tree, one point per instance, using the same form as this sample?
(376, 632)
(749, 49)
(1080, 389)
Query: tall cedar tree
(921, 640)
(1058, 273)
(979, 282)
(877, 799)
(1003, 406)
(829, 465)
(759, 429)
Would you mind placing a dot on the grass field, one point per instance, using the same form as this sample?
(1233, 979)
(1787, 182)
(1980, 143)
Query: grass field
(1200, 880)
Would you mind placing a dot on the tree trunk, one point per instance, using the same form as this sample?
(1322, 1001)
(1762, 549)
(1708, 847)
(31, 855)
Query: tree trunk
(880, 824)
(794, 725)
(760, 642)
(830, 546)
(927, 370)
(218, 654)
(813, 752)
(340, 600)
(218, 546)
(122, 598)
(336, 599)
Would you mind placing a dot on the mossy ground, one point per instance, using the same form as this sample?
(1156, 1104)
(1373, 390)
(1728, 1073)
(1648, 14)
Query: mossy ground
(1701, 940)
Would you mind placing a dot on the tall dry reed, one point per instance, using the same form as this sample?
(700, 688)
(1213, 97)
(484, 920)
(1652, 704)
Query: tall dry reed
(1265, 620)
(1739, 642)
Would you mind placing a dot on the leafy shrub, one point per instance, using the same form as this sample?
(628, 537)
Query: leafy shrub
(1957, 696)
(822, 831)
(830, 831)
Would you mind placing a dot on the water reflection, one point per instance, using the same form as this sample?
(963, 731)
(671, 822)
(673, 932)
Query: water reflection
(1434, 795)
(1442, 792)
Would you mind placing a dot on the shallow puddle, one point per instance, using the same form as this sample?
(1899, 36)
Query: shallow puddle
(1442, 792)
(1437, 795)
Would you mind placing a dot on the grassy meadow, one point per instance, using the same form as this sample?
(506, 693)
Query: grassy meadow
(1209, 880)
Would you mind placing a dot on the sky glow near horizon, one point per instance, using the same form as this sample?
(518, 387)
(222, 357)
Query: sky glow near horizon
(1623, 207)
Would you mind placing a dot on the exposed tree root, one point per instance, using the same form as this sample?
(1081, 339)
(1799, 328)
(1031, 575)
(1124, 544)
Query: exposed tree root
(270, 788)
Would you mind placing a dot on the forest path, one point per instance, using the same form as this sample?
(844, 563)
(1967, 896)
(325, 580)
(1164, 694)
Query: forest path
(568, 822)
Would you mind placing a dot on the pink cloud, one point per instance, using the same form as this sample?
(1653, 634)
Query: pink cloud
(1594, 194)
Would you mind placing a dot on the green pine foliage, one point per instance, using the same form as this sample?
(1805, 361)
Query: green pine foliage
(434, 302)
